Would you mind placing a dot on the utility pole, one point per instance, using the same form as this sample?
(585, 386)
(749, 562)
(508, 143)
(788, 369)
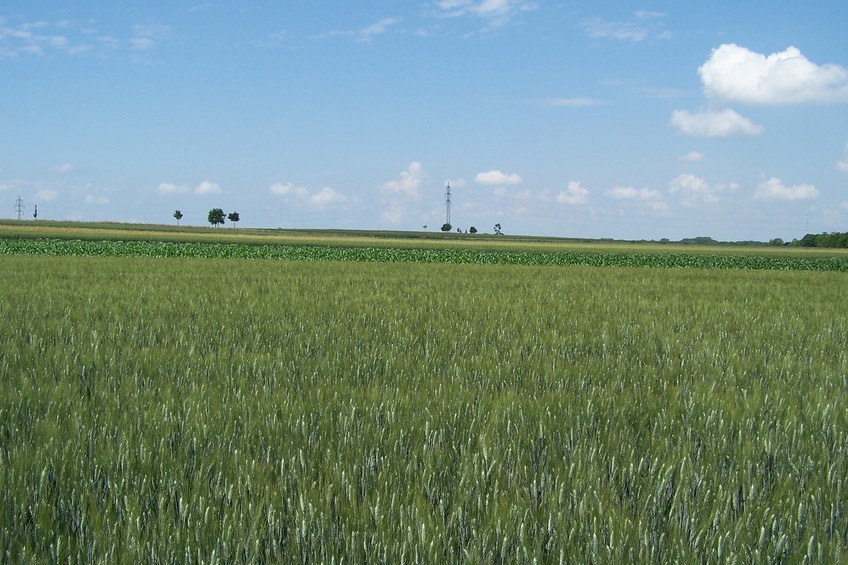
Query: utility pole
(19, 206)
(447, 204)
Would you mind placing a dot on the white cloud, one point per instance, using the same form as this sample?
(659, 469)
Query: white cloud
(146, 36)
(498, 178)
(630, 193)
(46, 194)
(694, 190)
(495, 12)
(693, 156)
(324, 198)
(288, 188)
(409, 183)
(645, 26)
(171, 188)
(737, 74)
(91, 199)
(65, 168)
(712, 123)
(842, 164)
(377, 28)
(571, 102)
(207, 187)
(327, 196)
(574, 194)
(774, 189)
(394, 212)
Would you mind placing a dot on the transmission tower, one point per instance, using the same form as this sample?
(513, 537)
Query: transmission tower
(19, 206)
(447, 204)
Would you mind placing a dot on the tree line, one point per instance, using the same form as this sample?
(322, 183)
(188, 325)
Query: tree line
(216, 217)
(827, 239)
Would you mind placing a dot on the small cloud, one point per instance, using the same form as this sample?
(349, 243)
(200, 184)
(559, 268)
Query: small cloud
(364, 34)
(497, 178)
(91, 199)
(377, 28)
(146, 36)
(695, 190)
(207, 187)
(646, 26)
(573, 195)
(46, 194)
(495, 12)
(288, 188)
(774, 189)
(171, 188)
(571, 102)
(714, 124)
(630, 193)
(737, 74)
(65, 168)
(409, 182)
(842, 164)
(693, 156)
(327, 197)
(323, 198)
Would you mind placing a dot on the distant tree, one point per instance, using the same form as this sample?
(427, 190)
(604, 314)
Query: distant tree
(776, 241)
(458, 230)
(472, 229)
(446, 227)
(233, 217)
(216, 216)
(178, 216)
(35, 212)
(498, 229)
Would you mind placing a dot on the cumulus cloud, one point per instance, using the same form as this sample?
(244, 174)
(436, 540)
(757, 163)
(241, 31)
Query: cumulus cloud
(327, 196)
(574, 194)
(713, 123)
(694, 190)
(324, 198)
(46, 194)
(207, 187)
(737, 74)
(630, 193)
(775, 189)
(693, 156)
(288, 188)
(497, 178)
(409, 182)
(171, 188)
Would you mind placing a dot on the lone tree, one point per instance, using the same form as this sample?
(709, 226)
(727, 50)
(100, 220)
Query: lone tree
(178, 216)
(446, 227)
(216, 216)
(498, 229)
(233, 217)
(472, 229)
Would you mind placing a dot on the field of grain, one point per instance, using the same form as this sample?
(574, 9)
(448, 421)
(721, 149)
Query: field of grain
(208, 410)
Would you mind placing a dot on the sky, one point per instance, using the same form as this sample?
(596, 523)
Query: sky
(616, 119)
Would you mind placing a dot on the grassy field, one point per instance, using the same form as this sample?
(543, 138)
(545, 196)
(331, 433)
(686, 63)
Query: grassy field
(212, 410)
(387, 239)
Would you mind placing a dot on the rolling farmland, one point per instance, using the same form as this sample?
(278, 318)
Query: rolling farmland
(344, 410)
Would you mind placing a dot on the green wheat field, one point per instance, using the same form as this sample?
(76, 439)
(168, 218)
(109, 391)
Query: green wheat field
(208, 410)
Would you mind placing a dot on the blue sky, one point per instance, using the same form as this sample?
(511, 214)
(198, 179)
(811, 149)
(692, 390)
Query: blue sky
(577, 119)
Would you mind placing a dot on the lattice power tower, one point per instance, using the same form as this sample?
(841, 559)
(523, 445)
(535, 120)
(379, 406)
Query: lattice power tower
(447, 204)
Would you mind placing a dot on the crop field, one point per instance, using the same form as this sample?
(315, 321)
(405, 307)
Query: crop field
(181, 409)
